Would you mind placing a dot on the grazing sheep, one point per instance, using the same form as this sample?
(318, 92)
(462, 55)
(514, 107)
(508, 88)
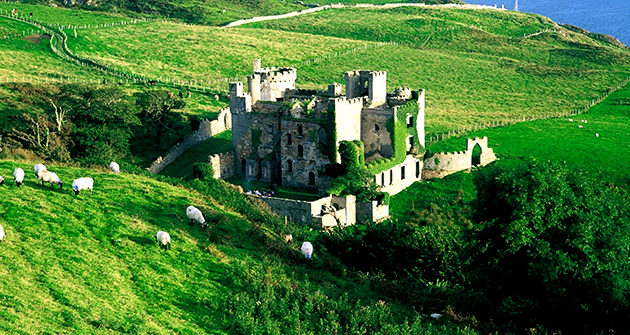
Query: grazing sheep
(596, 135)
(580, 126)
(194, 214)
(49, 177)
(307, 250)
(37, 168)
(85, 183)
(2, 234)
(570, 120)
(1, 180)
(18, 174)
(114, 167)
(216, 97)
(163, 239)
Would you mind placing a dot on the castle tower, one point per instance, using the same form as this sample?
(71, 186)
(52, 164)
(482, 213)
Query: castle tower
(370, 84)
(253, 85)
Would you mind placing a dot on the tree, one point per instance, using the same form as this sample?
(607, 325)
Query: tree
(157, 111)
(550, 247)
(103, 117)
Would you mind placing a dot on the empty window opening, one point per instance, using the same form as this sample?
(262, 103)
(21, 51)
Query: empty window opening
(376, 127)
(289, 139)
(417, 169)
(289, 166)
(402, 173)
(476, 155)
(391, 177)
(311, 178)
(300, 130)
(409, 121)
(300, 151)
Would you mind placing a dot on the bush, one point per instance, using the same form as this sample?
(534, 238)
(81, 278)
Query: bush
(550, 247)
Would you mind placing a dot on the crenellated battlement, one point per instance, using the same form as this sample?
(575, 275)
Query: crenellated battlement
(345, 101)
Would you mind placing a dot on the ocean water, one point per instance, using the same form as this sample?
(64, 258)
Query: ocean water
(610, 17)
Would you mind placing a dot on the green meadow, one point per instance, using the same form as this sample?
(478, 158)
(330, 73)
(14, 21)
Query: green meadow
(89, 264)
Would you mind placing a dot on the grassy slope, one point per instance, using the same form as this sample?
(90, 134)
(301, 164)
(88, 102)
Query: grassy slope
(472, 75)
(88, 264)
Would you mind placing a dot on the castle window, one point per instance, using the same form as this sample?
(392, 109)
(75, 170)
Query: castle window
(300, 130)
(300, 151)
(289, 139)
(382, 178)
(409, 143)
(409, 121)
(391, 177)
(417, 169)
(376, 127)
(289, 166)
(402, 173)
(311, 178)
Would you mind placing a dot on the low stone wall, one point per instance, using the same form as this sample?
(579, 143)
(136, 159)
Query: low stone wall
(308, 212)
(371, 212)
(206, 130)
(222, 165)
(442, 164)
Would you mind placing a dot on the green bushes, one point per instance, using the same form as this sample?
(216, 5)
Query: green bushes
(550, 247)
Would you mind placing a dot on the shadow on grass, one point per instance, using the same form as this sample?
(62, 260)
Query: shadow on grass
(142, 240)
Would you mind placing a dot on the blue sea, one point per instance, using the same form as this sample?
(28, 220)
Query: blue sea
(610, 17)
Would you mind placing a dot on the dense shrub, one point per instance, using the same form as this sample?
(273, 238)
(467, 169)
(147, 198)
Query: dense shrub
(550, 247)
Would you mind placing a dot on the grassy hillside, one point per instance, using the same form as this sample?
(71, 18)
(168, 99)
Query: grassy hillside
(88, 264)
(475, 64)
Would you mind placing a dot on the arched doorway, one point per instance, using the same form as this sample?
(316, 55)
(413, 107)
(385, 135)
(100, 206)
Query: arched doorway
(476, 155)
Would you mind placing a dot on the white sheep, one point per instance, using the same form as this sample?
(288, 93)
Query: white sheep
(307, 250)
(570, 120)
(580, 126)
(49, 177)
(163, 239)
(2, 234)
(596, 135)
(194, 214)
(84, 183)
(1, 180)
(114, 167)
(37, 168)
(18, 174)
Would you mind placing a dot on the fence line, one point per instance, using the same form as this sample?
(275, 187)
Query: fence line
(436, 137)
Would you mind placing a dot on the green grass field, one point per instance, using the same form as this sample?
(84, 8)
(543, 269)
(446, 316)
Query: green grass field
(88, 264)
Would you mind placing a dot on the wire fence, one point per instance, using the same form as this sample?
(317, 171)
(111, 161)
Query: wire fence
(437, 137)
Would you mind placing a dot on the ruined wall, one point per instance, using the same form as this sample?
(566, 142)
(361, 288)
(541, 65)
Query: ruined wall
(206, 130)
(374, 134)
(274, 82)
(348, 118)
(257, 146)
(222, 165)
(400, 176)
(371, 212)
(442, 164)
(309, 159)
(309, 212)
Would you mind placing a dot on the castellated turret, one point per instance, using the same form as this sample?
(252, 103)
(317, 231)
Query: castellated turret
(269, 84)
(370, 84)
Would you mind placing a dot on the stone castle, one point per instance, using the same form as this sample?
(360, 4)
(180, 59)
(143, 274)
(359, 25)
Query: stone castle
(286, 135)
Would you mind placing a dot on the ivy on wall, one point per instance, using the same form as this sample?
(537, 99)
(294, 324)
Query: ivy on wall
(398, 132)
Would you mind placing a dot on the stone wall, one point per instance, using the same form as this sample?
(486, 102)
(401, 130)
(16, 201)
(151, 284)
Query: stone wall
(400, 176)
(206, 130)
(222, 165)
(371, 212)
(443, 164)
(374, 134)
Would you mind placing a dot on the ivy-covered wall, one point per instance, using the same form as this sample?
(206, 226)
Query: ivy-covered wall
(398, 132)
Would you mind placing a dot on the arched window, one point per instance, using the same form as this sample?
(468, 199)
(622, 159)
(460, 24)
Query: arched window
(476, 155)
(289, 139)
(289, 166)
(311, 178)
(300, 130)
(300, 151)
